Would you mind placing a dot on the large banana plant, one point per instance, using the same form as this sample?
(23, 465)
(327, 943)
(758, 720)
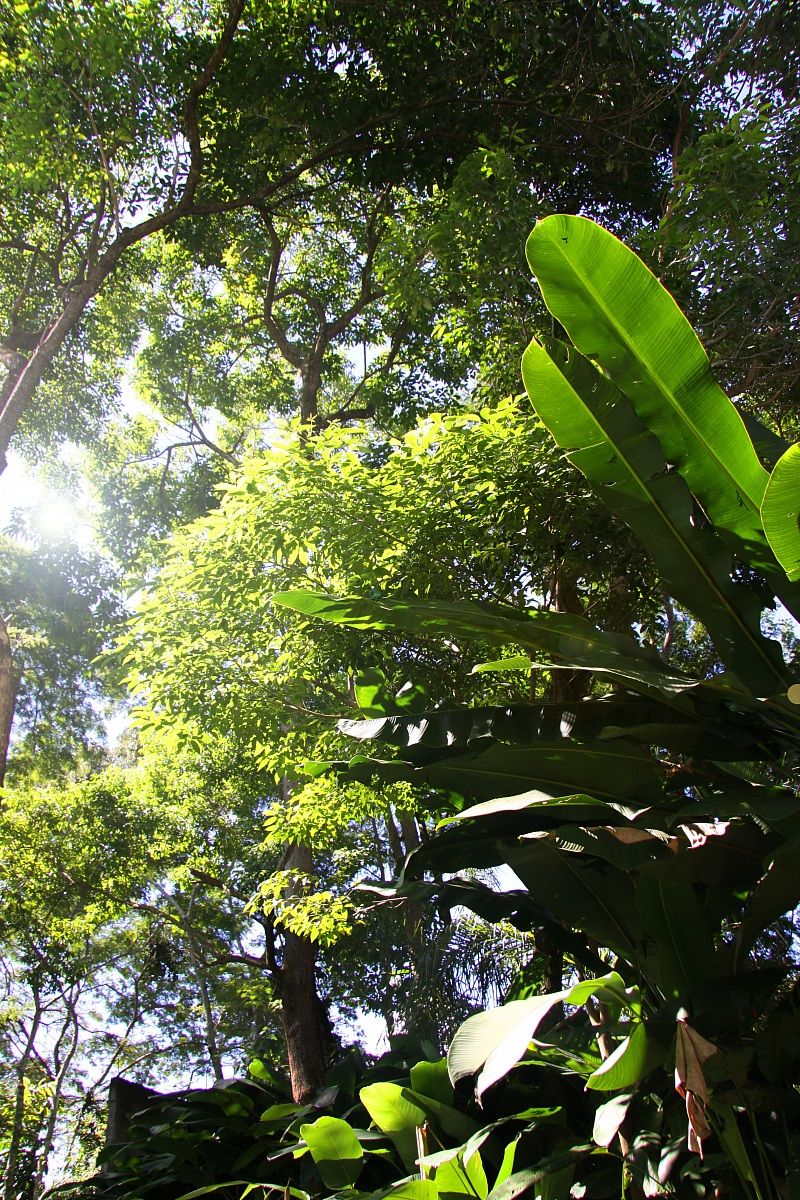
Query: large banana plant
(653, 826)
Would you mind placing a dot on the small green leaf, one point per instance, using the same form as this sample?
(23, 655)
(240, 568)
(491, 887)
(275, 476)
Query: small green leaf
(335, 1150)
(413, 1189)
(633, 1059)
(432, 1079)
(520, 662)
(279, 1112)
(507, 1165)
(396, 1115)
(457, 1178)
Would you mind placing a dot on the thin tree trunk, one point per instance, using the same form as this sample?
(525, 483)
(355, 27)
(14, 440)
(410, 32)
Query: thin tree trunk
(210, 1039)
(8, 696)
(553, 976)
(567, 686)
(212, 1046)
(18, 1121)
(62, 1067)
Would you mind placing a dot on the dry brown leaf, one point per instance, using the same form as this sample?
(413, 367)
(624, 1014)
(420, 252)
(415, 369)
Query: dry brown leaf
(630, 837)
(691, 1051)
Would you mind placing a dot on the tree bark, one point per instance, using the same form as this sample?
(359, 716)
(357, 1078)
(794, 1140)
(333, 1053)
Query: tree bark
(567, 686)
(301, 1008)
(301, 1018)
(553, 976)
(8, 696)
(71, 1035)
(18, 1120)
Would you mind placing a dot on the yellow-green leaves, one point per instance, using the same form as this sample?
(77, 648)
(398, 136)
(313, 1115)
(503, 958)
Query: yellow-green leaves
(335, 1150)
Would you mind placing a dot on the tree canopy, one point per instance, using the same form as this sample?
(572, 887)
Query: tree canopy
(263, 297)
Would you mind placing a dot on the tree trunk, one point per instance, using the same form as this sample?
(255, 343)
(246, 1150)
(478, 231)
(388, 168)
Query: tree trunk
(301, 1014)
(8, 696)
(553, 976)
(18, 1120)
(567, 686)
(212, 1046)
(71, 1032)
(301, 1008)
(309, 393)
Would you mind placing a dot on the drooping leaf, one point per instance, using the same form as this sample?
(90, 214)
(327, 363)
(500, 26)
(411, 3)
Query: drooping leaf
(683, 955)
(704, 732)
(539, 810)
(610, 771)
(571, 640)
(596, 899)
(691, 1051)
(631, 1061)
(492, 1042)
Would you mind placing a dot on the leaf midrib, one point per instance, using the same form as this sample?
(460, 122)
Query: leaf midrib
(755, 640)
(755, 506)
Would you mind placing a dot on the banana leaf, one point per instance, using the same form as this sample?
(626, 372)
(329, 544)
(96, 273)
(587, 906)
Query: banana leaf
(593, 421)
(721, 735)
(683, 955)
(616, 312)
(611, 771)
(780, 511)
(573, 642)
(590, 896)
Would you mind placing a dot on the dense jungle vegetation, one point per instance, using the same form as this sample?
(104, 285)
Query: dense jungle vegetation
(398, 765)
